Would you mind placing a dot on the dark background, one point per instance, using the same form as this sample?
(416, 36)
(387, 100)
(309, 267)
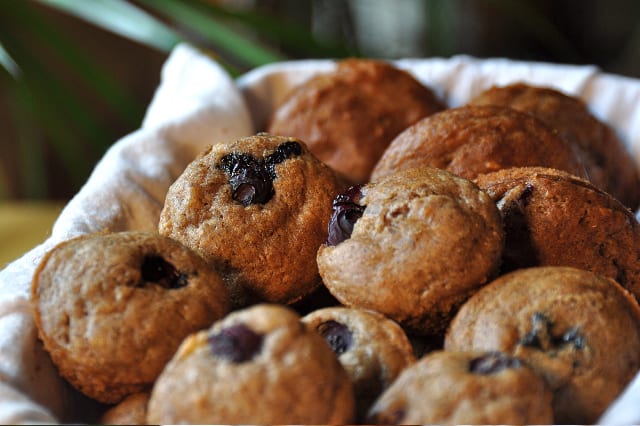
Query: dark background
(81, 87)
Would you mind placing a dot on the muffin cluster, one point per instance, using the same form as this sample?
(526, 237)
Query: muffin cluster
(371, 257)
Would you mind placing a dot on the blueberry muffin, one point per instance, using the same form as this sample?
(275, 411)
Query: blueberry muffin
(475, 139)
(556, 219)
(112, 308)
(475, 387)
(258, 209)
(412, 246)
(372, 348)
(608, 163)
(132, 410)
(260, 365)
(349, 116)
(578, 330)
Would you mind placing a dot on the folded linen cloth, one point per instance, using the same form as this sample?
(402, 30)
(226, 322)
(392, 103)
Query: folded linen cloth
(198, 104)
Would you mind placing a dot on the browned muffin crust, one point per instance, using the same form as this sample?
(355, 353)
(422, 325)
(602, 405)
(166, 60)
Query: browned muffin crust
(554, 218)
(608, 163)
(470, 140)
(111, 309)
(372, 348)
(348, 117)
(259, 365)
(425, 241)
(579, 330)
(474, 387)
(258, 208)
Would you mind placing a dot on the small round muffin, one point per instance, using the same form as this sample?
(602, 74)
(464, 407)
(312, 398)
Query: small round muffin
(608, 163)
(372, 348)
(552, 218)
(471, 139)
(447, 387)
(412, 246)
(132, 410)
(112, 308)
(349, 116)
(579, 331)
(258, 209)
(259, 365)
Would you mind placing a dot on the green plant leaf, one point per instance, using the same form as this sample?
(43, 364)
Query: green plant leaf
(123, 18)
(80, 64)
(279, 29)
(8, 63)
(248, 50)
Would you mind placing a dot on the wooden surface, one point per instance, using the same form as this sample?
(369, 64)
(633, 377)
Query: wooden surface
(24, 225)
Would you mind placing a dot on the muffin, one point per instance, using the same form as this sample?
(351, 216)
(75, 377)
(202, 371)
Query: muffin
(471, 140)
(350, 115)
(132, 410)
(260, 365)
(555, 219)
(112, 308)
(608, 163)
(372, 348)
(578, 330)
(447, 387)
(412, 246)
(258, 209)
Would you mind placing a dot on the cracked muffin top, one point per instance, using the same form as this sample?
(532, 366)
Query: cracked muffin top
(258, 209)
(578, 330)
(553, 218)
(412, 246)
(608, 163)
(259, 365)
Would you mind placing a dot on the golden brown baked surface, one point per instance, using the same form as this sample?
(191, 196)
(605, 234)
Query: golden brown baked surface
(425, 241)
(349, 116)
(372, 348)
(578, 330)
(470, 140)
(258, 209)
(473, 387)
(608, 163)
(553, 218)
(260, 365)
(132, 410)
(111, 309)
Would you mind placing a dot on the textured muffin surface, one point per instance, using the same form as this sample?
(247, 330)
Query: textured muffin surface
(425, 241)
(111, 309)
(260, 365)
(372, 348)
(349, 116)
(474, 387)
(471, 139)
(608, 163)
(257, 208)
(578, 330)
(556, 219)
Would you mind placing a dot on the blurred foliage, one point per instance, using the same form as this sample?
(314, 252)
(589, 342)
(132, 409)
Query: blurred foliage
(66, 66)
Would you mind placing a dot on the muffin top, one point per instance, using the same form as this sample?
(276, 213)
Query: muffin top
(470, 140)
(568, 324)
(112, 308)
(412, 246)
(349, 116)
(608, 163)
(258, 209)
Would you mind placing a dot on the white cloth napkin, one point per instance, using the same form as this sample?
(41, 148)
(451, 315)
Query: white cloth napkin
(198, 104)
